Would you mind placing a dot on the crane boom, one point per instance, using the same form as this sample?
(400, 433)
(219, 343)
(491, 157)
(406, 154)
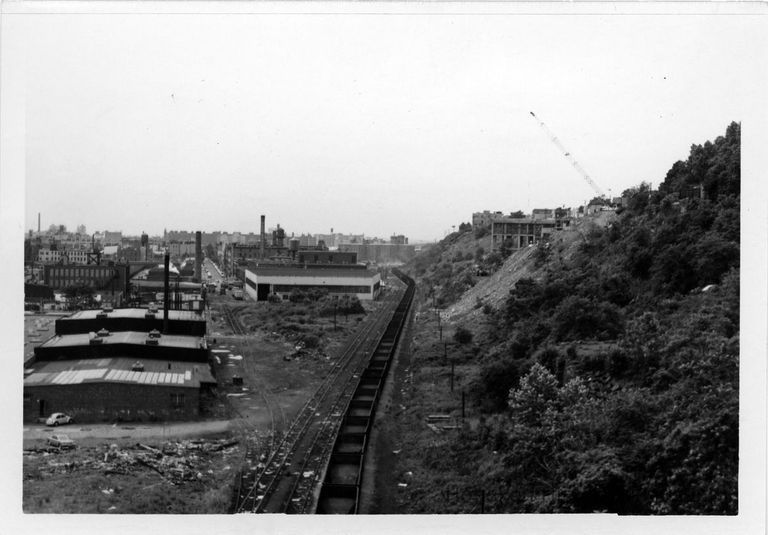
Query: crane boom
(569, 156)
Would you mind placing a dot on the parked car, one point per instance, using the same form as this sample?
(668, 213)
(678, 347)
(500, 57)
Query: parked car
(61, 441)
(59, 418)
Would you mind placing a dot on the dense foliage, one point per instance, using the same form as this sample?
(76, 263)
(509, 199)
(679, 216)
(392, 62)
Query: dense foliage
(612, 384)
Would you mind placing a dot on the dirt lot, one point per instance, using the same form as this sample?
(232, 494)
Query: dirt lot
(278, 372)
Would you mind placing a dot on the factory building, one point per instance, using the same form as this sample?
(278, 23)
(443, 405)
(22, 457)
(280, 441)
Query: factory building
(380, 253)
(109, 389)
(326, 257)
(99, 277)
(96, 374)
(148, 345)
(181, 322)
(263, 281)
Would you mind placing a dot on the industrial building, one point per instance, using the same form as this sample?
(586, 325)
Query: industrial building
(263, 281)
(521, 232)
(181, 322)
(107, 365)
(109, 389)
(380, 253)
(111, 278)
(151, 345)
(326, 257)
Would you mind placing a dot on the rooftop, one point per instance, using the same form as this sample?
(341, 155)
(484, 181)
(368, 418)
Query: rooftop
(138, 313)
(118, 370)
(525, 220)
(309, 271)
(122, 337)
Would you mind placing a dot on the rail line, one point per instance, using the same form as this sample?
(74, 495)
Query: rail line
(343, 476)
(271, 490)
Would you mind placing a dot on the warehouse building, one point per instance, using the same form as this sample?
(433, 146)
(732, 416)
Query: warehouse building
(112, 278)
(115, 389)
(263, 281)
(146, 345)
(181, 322)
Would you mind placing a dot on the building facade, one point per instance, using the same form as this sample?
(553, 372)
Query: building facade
(519, 233)
(263, 281)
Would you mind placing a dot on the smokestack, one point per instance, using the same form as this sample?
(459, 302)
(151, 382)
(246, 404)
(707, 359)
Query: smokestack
(263, 236)
(198, 256)
(166, 287)
(38, 222)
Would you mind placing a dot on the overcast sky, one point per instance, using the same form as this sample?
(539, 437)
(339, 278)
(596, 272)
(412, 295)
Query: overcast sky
(364, 124)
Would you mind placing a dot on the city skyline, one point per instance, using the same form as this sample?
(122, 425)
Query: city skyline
(370, 132)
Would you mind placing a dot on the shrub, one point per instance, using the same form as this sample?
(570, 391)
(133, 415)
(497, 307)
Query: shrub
(462, 336)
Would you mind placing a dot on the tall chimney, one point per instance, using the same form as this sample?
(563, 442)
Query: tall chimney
(38, 222)
(263, 237)
(198, 256)
(166, 287)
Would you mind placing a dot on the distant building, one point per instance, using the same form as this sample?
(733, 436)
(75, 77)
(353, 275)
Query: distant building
(75, 257)
(326, 257)
(380, 253)
(398, 240)
(48, 256)
(542, 213)
(112, 238)
(520, 232)
(263, 281)
(99, 277)
(485, 218)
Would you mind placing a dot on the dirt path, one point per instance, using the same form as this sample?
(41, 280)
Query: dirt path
(90, 434)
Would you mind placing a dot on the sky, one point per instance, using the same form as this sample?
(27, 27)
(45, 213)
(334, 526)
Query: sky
(361, 123)
(375, 124)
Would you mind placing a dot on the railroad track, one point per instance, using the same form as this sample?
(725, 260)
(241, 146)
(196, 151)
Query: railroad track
(343, 476)
(277, 484)
(255, 451)
(234, 322)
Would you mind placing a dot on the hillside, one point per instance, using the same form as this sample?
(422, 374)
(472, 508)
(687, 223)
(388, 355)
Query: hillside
(598, 373)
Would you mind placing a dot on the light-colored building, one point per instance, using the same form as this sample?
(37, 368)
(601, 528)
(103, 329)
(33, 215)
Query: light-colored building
(48, 256)
(263, 281)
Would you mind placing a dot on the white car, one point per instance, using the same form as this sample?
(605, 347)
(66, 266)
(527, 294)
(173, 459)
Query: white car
(61, 441)
(58, 418)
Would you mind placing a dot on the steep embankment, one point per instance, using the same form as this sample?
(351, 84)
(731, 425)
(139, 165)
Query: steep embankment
(599, 373)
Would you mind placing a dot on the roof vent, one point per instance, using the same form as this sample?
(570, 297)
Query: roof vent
(93, 341)
(154, 333)
(152, 341)
(137, 367)
(102, 333)
(153, 308)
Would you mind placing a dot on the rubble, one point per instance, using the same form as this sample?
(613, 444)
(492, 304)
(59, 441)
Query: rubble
(177, 462)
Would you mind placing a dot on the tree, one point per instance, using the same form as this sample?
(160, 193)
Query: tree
(462, 336)
(81, 229)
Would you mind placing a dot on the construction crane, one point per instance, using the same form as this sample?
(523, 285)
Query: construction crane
(569, 156)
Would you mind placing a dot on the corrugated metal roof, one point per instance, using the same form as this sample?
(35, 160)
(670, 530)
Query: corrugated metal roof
(118, 370)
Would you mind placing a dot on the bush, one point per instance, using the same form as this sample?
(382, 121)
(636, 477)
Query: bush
(462, 336)
(310, 341)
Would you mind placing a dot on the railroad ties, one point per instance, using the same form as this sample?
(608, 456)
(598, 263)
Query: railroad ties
(286, 478)
(340, 491)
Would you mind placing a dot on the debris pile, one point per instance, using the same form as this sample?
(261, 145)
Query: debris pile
(177, 462)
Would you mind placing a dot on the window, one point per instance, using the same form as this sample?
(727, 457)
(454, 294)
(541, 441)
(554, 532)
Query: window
(177, 401)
